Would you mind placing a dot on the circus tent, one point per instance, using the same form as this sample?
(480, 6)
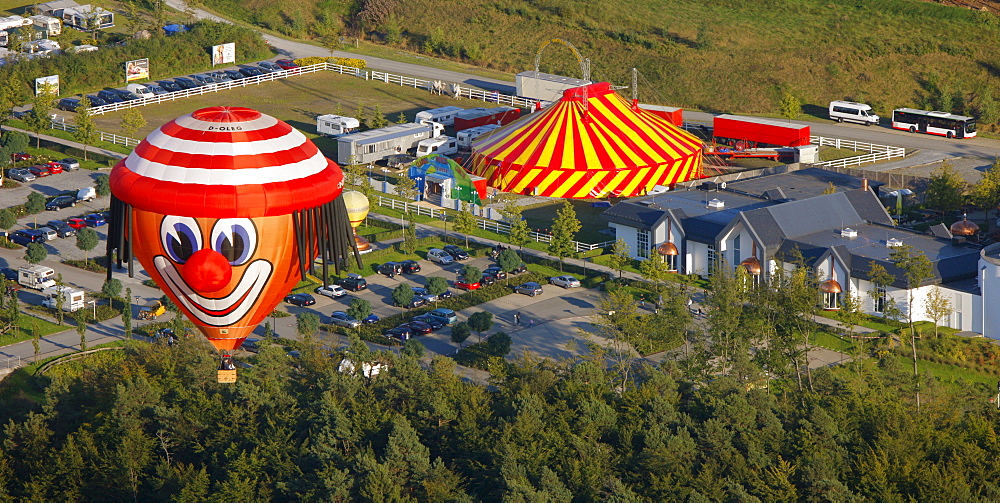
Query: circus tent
(591, 143)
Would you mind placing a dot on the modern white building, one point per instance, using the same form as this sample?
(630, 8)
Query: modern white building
(758, 224)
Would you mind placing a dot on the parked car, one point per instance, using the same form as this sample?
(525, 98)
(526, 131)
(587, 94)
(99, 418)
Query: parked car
(69, 163)
(269, 66)
(54, 167)
(410, 266)
(95, 220)
(96, 101)
(520, 269)
(414, 303)
(20, 156)
(20, 174)
(444, 314)
(49, 233)
(566, 281)
(286, 64)
(420, 327)
(435, 323)
(170, 86)
(39, 170)
(127, 95)
(25, 236)
(331, 291)
(248, 71)
(63, 230)
(342, 319)
(496, 272)
(252, 345)
(423, 292)
(456, 252)
(530, 289)
(76, 223)
(439, 256)
(445, 294)
(8, 273)
(390, 269)
(157, 90)
(353, 283)
(60, 202)
(68, 104)
(402, 332)
(487, 280)
(219, 76)
(300, 299)
(204, 79)
(370, 319)
(110, 96)
(462, 285)
(187, 83)
(234, 74)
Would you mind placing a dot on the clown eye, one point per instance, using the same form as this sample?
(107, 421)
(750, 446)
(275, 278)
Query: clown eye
(180, 236)
(235, 239)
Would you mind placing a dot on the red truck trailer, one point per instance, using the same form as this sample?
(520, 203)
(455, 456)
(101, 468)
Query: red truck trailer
(753, 132)
(474, 117)
(673, 114)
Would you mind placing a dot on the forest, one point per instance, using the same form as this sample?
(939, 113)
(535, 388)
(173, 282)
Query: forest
(725, 423)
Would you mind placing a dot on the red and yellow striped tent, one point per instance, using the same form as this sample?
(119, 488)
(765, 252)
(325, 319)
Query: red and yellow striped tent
(592, 143)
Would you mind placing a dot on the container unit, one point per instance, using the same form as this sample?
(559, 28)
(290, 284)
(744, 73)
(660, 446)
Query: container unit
(673, 114)
(475, 117)
(732, 129)
(465, 137)
(336, 125)
(443, 115)
(377, 144)
(545, 86)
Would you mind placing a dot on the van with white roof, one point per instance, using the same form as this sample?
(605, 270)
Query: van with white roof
(850, 111)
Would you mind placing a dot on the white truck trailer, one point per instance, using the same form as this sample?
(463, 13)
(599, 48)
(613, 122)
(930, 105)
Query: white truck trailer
(444, 145)
(36, 276)
(467, 136)
(72, 298)
(545, 86)
(443, 115)
(377, 144)
(336, 125)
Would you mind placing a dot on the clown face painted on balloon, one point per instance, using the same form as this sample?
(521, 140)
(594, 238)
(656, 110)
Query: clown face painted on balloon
(226, 209)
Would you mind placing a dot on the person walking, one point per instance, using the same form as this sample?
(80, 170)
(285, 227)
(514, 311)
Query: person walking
(689, 302)
(517, 318)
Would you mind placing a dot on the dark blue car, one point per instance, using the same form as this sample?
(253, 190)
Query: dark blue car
(24, 237)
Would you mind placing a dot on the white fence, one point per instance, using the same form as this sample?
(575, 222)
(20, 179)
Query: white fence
(108, 137)
(12, 362)
(402, 80)
(482, 223)
(877, 152)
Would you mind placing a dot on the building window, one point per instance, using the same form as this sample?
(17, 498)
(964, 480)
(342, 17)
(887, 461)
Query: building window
(712, 258)
(880, 299)
(642, 244)
(671, 261)
(831, 300)
(736, 249)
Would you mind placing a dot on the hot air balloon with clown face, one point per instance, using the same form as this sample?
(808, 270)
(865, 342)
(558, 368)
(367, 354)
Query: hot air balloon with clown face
(226, 209)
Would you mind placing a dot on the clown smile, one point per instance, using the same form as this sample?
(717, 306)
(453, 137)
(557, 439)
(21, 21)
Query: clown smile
(223, 311)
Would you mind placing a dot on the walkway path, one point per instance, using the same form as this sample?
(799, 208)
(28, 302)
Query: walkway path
(69, 143)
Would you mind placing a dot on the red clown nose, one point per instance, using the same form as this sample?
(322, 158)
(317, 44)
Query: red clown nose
(207, 271)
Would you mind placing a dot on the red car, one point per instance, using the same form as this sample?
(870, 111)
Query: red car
(286, 64)
(466, 286)
(20, 156)
(76, 223)
(54, 167)
(39, 171)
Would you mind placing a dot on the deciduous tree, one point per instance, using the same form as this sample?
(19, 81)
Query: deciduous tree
(86, 240)
(359, 308)
(465, 221)
(35, 253)
(471, 273)
(916, 269)
(436, 285)
(986, 192)
(620, 257)
(132, 121)
(39, 118)
(564, 230)
(944, 192)
(102, 185)
(402, 295)
(86, 129)
(460, 332)
(35, 203)
(481, 321)
(937, 307)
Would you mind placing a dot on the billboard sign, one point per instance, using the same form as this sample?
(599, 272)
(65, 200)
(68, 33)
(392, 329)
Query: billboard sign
(52, 82)
(222, 54)
(137, 70)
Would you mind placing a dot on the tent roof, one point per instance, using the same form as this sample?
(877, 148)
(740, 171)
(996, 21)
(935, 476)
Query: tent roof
(590, 128)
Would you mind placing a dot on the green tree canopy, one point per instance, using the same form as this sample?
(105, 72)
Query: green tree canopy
(35, 253)
(112, 288)
(481, 321)
(102, 185)
(86, 128)
(402, 295)
(460, 332)
(945, 190)
(471, 273)
(436, 285)
(564, 230)
(86, 240)
(359, 308)
(35, 203)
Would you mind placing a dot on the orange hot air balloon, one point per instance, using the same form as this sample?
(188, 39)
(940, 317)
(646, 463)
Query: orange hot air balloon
(226, 209)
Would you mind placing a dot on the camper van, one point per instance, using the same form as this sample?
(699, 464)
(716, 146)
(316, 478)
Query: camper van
(850, 111)
(467, 136)
(139, 90)
(444, 145)
(34, 276)
(443, 115)
(336, 125)
(72, 298)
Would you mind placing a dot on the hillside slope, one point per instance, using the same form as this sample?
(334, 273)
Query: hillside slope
(731, 55)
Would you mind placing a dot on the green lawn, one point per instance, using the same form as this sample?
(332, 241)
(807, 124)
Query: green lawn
(43, 327)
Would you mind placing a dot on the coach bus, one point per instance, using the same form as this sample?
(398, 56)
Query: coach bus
(939, 123)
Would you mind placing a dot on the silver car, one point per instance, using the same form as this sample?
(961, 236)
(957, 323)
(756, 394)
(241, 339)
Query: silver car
(565, 281)
(21, 175)
(342, 319)
(530, 289)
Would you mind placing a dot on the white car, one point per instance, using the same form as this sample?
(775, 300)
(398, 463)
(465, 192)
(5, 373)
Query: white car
(439, 256)
(331, 291)
(565, 281)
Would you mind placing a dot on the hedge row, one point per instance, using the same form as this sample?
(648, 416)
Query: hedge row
(315, 60)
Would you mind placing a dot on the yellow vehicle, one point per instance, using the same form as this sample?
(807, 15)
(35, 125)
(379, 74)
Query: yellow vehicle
(151, 310)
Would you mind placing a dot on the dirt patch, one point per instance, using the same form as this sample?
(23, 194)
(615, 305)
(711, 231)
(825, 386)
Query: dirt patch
(970, 168)
(980, 5)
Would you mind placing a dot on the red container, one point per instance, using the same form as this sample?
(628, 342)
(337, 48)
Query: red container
(474, 117)
(761, 132)
(673, 114)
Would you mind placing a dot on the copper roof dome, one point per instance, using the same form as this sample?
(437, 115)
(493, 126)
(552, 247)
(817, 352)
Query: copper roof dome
(752, 265)
(830, 286)
(964, 227)
(667, 248)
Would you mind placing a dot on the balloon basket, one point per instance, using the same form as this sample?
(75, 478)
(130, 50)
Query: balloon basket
(227, 376)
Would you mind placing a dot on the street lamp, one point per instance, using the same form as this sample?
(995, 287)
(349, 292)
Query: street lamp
(94, 303)
(136, 304)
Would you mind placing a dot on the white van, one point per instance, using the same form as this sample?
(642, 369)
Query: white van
(140, 90)
(86, 194)
(850, 111)
(48, 232)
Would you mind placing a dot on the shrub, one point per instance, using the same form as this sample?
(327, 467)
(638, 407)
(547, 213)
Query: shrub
(352, 62)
